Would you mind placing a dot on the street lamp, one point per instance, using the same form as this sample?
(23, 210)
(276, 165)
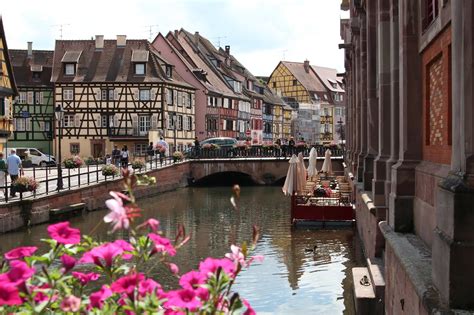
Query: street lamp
(59, 114)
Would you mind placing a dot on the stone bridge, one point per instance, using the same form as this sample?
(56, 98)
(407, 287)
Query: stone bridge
(264, 171)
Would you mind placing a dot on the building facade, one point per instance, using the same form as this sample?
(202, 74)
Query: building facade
(8, 90)
(33, 109)
(410, 141)
(114, 92)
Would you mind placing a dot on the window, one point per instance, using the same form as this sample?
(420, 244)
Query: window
(169, 97)
(69, 120)
(107, 94)
(325, 96)
(180, 98)
(30, 97)
(74, 148)
(295, 82)
(69, 68)
(144, 95)
(22, 98)
(431, 11)
(190, 100)
(171, 121)
(38, 97)
(47, 126)
(169, 71)
(103, 121)
(188, 123)
(143, 124)
(140, 69)
(36, 75)
(179, 122)
(334, 85)
(338, 111)
(274, 84)
(141, 148)
(68, 94)
(20, 124)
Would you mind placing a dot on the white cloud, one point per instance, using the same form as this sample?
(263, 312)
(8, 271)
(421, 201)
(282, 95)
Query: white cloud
(260, 32)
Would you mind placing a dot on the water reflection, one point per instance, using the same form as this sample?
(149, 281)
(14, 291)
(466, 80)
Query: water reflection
(291, 280)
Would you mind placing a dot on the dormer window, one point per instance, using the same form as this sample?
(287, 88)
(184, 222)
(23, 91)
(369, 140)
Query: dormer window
(69, 68)
(36, 71)
(140, 69)
(36, 75)
(169, 71)
(70, 60)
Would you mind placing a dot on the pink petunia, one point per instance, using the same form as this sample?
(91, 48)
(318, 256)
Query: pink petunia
(63, 234)
(192, 280)
(183, 299)
(85, 278)
(118, 213)
(68, 262)
(97, 298)
(151, 223)
(250, 310)
(173, 268)
(71, 304)
(19, 273)
(104, 254)
(236, 255)
(149, 286)
(41, 293)
(162, 244)
(20, 252)
(210, 266)
(127, 284)
(9, 294)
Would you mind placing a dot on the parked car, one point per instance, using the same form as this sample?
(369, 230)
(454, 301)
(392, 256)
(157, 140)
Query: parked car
(226, 144)
(36, 156)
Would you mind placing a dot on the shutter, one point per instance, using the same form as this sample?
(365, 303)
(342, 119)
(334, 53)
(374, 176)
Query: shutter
(28, 124)
(98, 95)
(14, 124)
(224, 124)
(116, 95)
(116, 120)
(175, 97)
(41, 126)
(136, 94)
(234, 125)
(152, 94)
(6, 110)
(77, 120)
(154, 121)
(30, 97)
(99, 121)
(135, 123)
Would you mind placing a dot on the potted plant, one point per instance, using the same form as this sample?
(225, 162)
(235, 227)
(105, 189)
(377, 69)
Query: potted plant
(177, 156)
(25, 183)
(73, 162)
(110, 170)
(138, 164)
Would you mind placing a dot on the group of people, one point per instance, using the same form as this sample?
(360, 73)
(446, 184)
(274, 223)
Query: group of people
(119, 157)
(13, 167)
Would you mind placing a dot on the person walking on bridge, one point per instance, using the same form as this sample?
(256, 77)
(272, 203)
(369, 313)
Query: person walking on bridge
(14, 168)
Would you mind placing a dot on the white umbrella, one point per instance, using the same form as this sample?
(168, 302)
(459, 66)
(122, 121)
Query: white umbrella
(291, 177)
(313, 156)
(327, 165)
(301, 173)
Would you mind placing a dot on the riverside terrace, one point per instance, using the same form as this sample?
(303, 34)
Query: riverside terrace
(92, 174)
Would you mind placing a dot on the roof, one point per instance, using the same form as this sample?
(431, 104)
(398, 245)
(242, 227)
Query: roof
(308, 79)
(24, 66)
(7, 58)
(112, 63)
(328, 76)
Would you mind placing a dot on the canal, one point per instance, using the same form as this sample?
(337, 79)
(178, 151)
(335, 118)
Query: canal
(291, 279)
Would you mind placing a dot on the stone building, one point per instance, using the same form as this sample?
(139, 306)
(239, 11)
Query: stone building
(410, 148)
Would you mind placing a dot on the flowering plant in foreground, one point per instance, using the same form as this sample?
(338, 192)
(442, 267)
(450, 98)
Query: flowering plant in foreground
(73, 162)
(110, 170)
(25, 183)
(81, 275)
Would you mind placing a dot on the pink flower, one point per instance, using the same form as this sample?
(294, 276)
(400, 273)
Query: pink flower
(210, 266)
(20, 252)
(104, 254)
(68, 262)
(9, 294)
(63, 234)
(149, 286)
(192, 280)
(249, 310)
(41, 293)
(184, 299)
(97, 298)
(236, 255)
(151, 223)
(71, 304)
(173, 268)
(127, 284)
(118, 213)
(85, 278)
(19, 273)
(162, 244)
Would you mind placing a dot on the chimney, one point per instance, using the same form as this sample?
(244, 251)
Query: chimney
(99, 42)
(306, 66)
(176, 33)
(121, 40)
(196, 39)
(227, 50)
(30, 49)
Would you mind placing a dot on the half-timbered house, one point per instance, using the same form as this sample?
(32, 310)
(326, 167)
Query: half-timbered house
(114, 92)
(8, 90)
(33, 110)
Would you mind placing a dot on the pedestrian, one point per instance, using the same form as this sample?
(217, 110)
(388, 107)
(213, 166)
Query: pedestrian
(278, 147)
(124, 157)
(291, 145)
(150, 151)
(14, 168)
(163, 144)
(116, 156)
(3, 172)
(197, 146)
(108, 159)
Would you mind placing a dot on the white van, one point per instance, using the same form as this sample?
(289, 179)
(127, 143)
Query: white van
(36, 156)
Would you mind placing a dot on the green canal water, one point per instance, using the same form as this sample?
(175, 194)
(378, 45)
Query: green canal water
(291, 280)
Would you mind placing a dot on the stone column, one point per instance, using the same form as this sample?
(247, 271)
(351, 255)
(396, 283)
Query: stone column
(453, 242)
(372, 115)
(410, 115)
(362, 94)
(394, 97)
(383, 67)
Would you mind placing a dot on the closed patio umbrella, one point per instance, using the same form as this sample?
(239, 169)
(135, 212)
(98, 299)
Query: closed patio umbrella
(313, 156)
(291, 177)
(301, 173)
(327, 165)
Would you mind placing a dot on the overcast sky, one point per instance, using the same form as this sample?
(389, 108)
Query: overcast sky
(260, 32)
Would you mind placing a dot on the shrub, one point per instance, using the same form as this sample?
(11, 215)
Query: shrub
(110, 170)
(73, 162)
(138, 164)
(25, 183)
(178, 156)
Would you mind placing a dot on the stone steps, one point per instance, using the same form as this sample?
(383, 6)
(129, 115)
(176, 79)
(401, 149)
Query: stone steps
(369, 287)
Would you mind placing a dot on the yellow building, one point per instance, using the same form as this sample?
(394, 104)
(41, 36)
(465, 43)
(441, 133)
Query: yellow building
(277, 121)
(287, 118)
(7, 90)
